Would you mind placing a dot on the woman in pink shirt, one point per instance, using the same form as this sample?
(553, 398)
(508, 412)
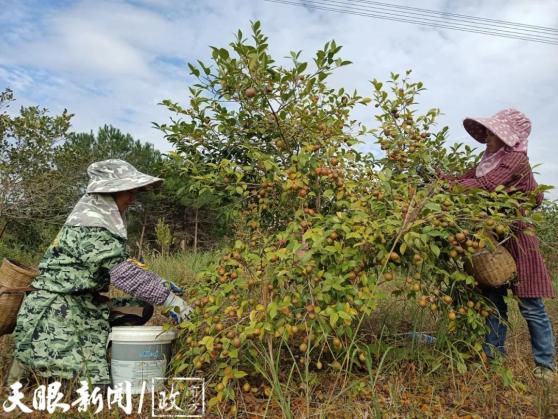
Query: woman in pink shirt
(505, 162)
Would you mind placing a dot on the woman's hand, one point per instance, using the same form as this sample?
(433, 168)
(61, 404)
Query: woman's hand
(174, 288)
(176, 308)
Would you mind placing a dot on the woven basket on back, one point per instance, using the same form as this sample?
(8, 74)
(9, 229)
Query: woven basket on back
(492, 267)
(15, 280)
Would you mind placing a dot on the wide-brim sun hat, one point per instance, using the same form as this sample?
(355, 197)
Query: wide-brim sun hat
(109, 176)
(510, 125)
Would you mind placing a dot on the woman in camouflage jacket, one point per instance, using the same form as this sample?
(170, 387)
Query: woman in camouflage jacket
(63, 326)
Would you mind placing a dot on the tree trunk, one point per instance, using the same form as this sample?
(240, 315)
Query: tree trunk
(196, 222)
(140, 245)
(3, 229)
(185, 225)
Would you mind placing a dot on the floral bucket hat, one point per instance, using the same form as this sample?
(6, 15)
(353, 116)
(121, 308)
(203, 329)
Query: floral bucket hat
(510, 125)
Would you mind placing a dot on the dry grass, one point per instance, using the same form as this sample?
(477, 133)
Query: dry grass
(396, 388)
(6, 350)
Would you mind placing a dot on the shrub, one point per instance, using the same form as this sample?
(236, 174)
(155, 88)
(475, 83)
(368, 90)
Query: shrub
(324, 231)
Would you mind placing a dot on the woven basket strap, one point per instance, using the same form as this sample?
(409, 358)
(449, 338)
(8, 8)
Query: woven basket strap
(496, 245)
(9, 286)
(505, 240)
(15, 290)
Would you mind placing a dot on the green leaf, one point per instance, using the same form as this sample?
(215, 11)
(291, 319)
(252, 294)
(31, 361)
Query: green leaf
(181, 368)
(208, 342)
(433, 206)
(377, 85)
(239, 374)
(403, 248)
(333, 317)
(223, 53)
(272, 309)
(344, 315)
(194, 70)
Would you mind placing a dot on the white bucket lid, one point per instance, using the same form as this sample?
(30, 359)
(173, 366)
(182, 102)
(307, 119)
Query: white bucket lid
(144, 334)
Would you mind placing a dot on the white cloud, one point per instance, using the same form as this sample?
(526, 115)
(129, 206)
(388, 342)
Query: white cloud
(111, 62)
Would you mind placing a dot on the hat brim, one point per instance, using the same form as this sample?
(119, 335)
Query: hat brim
(121, 185)
(476, 127)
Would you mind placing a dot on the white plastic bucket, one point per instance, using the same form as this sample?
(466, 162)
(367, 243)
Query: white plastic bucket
(140, 354)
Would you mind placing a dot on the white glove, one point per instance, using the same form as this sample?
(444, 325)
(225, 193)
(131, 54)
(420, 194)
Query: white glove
(177, 308)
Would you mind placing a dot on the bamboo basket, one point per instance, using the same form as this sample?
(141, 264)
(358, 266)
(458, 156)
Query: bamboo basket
(15, 281)
(492, 267)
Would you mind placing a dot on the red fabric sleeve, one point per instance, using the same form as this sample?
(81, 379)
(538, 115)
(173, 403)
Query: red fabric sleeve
(451, 178)
(469, 174)
(511, 169)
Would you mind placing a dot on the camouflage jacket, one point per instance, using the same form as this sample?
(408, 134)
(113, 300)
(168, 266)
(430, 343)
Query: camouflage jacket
(62, 328)
(79, 260)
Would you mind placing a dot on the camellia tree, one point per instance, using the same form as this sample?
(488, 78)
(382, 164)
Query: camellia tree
(323, 231)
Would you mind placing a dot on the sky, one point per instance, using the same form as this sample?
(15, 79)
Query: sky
(113, 62)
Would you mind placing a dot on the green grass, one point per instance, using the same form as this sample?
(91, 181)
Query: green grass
(182, 268)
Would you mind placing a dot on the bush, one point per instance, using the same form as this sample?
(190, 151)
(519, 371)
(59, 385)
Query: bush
(324, 232)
